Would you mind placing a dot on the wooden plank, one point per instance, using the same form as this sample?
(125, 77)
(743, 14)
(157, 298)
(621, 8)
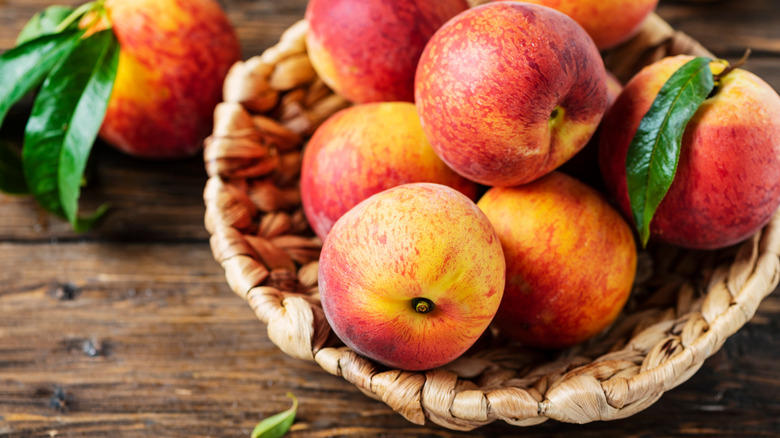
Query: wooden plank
(149, 341)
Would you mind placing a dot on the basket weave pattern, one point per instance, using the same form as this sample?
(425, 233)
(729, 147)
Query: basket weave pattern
(684, 305)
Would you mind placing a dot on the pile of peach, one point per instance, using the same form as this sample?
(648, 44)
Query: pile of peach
(439, 195)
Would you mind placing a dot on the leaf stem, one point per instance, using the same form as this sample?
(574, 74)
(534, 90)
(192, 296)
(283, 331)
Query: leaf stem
(75, 15)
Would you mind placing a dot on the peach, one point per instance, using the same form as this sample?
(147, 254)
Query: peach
(727, 184)
(363, 150)
(412, 276)
(175, 55)
(608, 22)
(571, 260)
(509, 91)
(367, 50)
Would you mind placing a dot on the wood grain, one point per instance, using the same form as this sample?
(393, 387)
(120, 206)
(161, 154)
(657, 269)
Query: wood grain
(130, 330)
(146, 339)
(729, 27)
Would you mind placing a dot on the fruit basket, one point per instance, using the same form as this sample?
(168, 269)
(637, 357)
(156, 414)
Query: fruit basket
(683, 307)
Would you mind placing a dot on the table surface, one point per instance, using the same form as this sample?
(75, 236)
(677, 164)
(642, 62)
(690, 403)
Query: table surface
(131, 329)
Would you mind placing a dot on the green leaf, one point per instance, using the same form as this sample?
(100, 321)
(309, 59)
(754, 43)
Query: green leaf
(11, 176)
(654, 152)
(23, 68)
(44, 23)
(277, 425)
(65, 121)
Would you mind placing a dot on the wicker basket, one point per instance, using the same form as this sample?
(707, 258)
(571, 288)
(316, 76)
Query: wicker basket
(683, 307)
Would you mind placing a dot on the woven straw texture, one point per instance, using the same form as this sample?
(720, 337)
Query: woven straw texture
(684, 305)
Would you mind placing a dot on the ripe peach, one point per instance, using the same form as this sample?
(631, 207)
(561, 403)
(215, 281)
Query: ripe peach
(506, 110)
(571, 260)
(175, 55)
(727, 184)
(367, 50)
(412, 276)
(363, 150)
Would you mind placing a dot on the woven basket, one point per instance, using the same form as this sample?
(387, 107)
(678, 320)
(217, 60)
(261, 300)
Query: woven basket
(683, 307)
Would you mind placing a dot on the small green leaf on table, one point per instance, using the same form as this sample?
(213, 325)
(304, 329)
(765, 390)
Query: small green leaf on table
(64, 123)
(24, 67)
(44, 22)
(276, 426)
(654, 152)
(11, 176)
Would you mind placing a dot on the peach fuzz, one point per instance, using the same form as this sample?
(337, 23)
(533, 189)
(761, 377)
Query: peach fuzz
(175, 55)
(571, 260)
(412, 276)
(509, 91)
(727, 184)
(367, 50)
(363, 150)
(608, 22)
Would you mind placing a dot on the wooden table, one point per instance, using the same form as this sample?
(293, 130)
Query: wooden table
(131, 330)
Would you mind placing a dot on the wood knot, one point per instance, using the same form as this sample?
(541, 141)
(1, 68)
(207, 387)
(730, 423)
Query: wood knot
(59, 400)
(65, 291)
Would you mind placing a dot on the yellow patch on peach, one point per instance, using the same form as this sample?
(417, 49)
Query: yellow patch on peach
(326, 67)
(137, 79)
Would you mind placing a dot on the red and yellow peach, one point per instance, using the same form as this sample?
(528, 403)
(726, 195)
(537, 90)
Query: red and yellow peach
(727, 182)
(412, 276)
(175, 55)
(363, 150)
(509, 91)
(367, 50)
(571, 260)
